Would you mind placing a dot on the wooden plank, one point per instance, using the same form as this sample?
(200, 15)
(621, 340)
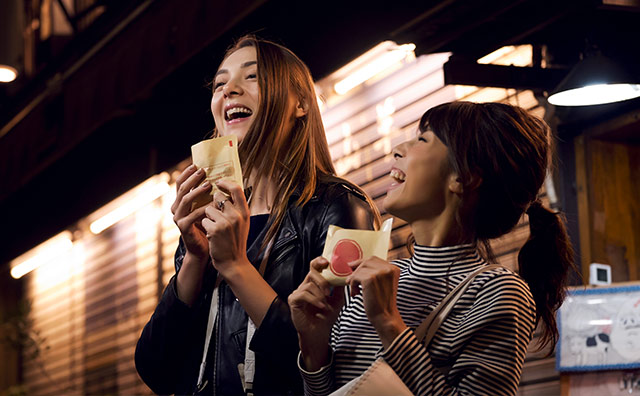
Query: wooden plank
(364, 128)
(400, 81)
(582, 191)
(50, 318)
(614, 207)
(550, 388)
(541, 370)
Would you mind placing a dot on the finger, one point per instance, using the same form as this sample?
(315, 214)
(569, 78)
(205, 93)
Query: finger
(320, 282)
(184, 175)
(235, 192)
(209, 226)
(221, 200)
(355, 264)
(194, 217)
(189, 170)
(186, 187)
(319, 263)
(183, 206)
(317, 293)
(303, 297)
(364, 274)
(212, 212)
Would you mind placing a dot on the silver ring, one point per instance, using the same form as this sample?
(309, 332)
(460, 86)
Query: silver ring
(221, 205)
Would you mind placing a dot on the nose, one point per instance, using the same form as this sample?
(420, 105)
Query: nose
(231, 88)
(399, 151)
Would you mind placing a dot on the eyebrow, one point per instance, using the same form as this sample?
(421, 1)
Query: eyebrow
(242, 66)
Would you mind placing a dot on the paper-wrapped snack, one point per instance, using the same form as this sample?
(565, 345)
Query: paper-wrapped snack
(219, 158)
(346, 245)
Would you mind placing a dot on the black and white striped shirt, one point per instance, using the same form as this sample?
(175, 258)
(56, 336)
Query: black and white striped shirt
(484, 339)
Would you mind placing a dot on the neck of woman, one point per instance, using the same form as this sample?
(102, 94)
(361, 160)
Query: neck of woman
(442, 230)
(263, 192)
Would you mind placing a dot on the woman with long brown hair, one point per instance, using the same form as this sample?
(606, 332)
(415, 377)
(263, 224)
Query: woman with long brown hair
(223, 325)
(467, 177)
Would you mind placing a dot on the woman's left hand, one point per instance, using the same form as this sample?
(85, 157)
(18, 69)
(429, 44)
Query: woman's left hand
(227, 227)
(377, 280)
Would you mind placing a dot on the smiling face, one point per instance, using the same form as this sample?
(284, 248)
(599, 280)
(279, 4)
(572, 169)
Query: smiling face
(236, 94)
(422, 180)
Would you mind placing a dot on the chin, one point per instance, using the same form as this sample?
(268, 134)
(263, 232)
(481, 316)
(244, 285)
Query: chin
(388, 206)
(239, 134)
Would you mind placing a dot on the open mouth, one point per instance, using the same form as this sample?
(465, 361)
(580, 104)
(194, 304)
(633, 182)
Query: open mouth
(237, 112)
(397, 175)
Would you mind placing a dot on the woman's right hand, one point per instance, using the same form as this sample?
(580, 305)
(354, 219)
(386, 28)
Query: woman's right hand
(315, 306)
(189, 185)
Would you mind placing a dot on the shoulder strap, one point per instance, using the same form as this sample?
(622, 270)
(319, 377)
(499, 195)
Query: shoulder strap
(430, 325)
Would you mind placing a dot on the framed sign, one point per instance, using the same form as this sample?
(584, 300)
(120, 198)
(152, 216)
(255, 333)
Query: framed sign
(599, 329)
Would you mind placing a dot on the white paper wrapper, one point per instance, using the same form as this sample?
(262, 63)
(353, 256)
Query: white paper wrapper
(219, 158)
(346, 245)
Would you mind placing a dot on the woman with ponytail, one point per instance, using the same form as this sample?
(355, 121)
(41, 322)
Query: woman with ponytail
(470, 174)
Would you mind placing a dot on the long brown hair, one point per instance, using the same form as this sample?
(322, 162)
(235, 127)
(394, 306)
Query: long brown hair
(502, 155)
(293, 158)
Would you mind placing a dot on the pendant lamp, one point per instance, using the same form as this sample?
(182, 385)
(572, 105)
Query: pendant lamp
(11, 42)
(594, 80)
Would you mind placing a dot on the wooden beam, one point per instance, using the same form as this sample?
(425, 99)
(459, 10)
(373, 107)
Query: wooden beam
(464, 72)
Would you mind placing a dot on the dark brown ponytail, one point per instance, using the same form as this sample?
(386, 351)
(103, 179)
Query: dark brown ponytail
(544, 262)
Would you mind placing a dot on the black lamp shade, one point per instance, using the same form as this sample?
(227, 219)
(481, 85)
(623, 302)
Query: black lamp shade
(595, 80)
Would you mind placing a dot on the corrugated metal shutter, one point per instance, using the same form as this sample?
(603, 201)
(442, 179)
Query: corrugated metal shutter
(90, 306)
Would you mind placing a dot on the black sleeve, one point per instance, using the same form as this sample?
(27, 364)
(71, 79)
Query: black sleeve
(166, 352)
(161, 351)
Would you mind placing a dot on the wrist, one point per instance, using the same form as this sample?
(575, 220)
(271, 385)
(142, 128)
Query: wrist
(389, 329)
(234, 272)
(192, 259)
(315, 354)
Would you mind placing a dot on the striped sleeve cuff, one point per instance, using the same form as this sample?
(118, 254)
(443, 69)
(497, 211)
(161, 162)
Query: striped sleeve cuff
(318, 382)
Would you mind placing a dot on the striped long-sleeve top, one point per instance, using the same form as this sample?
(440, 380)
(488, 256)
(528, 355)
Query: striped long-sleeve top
(483, 340)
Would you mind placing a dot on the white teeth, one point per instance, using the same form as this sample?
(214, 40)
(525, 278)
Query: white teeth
(397, 174)
(234, 110)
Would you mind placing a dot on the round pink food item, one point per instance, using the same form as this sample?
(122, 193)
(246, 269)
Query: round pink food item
(344, 252)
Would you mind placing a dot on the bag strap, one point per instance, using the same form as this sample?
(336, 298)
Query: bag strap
(213, 314)
(430, 325)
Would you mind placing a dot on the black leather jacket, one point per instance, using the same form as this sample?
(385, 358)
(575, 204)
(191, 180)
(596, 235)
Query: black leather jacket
(169, 351)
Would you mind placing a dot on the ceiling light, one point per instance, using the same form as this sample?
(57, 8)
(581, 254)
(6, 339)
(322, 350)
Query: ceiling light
(42, 254)
(140, 196)
(7, 73)
(595, 80)
(11, 39)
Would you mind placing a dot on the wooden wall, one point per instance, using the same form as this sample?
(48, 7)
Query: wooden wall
(609, 208)
(607, 175)
(91, 305)
(10, 314)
